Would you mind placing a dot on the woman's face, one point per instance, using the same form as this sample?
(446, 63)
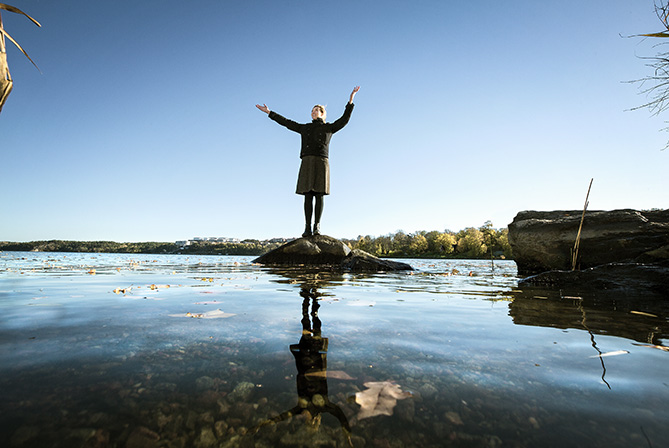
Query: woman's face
(316, 112)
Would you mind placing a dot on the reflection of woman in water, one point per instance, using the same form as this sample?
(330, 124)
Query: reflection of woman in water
(314, 178)
(311, 361)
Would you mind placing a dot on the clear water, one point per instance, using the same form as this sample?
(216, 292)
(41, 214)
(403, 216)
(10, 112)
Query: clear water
(98, 350)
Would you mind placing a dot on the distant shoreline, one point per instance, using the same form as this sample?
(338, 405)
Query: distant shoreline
(248, 247)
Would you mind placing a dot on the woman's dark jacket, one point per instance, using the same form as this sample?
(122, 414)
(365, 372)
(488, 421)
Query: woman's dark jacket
(317, 134)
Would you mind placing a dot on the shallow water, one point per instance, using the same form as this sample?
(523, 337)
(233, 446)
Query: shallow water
(108, 350)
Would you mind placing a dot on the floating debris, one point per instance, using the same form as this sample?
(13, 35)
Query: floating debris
(216, 314)
(333, 374)
(641, 313)
(123, 290)
(615, 353)
(659, 347)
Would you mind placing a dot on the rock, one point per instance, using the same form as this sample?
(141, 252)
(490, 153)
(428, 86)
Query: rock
(204, 383)
(313, 250)
(361, 261)
(23, 434)
(221, 428)
(142, 437)
(454, 418)
(543, 241)
(637, 278)
(325, 251)
(241, 392)
(206, 438)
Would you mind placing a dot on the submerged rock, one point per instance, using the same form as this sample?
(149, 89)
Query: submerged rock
(323, 250)
(543, 241)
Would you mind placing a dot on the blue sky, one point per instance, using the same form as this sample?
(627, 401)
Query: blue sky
(142, 125)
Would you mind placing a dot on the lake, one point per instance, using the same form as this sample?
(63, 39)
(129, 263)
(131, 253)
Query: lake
(119, 350)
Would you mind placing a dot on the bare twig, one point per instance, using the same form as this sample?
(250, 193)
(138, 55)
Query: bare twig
(658, 92)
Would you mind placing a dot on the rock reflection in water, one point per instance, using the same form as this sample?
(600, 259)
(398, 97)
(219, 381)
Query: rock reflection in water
(645, 321)
(611, 315)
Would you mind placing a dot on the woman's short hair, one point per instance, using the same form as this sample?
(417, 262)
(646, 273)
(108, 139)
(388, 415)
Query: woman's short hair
(321, 108)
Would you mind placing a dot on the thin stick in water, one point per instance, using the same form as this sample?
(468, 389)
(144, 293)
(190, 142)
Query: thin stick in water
(574, 253)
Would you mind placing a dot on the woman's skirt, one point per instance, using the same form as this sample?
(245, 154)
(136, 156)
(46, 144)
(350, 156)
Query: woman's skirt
(314, 175)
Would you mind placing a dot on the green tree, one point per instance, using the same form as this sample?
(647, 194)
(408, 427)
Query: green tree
(384, 244)
(503, 243)
(401, 243)
(470, 243)
(418, 244)
(446, 242)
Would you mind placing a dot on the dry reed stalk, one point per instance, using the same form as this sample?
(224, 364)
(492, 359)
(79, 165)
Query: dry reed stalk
(5, 78)
(574, 252)
(6, 82)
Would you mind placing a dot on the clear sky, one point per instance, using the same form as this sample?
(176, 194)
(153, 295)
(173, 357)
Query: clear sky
(142, 125)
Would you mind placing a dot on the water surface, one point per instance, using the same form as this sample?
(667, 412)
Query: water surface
(108, 350)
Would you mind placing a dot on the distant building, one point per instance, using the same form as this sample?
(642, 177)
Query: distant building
(183, 244)
(199, 239)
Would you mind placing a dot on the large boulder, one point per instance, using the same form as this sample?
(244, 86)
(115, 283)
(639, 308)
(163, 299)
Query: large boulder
(325, 251)
(543, 241)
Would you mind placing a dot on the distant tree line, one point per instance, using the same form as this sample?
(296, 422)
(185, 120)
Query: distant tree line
(90, 246)
(246, 247)
(482, 242)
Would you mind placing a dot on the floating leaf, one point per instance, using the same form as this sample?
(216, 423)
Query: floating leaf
(615, 353)
(380, 398)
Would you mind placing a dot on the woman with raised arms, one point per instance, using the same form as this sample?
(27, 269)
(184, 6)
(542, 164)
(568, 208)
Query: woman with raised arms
(313, 180)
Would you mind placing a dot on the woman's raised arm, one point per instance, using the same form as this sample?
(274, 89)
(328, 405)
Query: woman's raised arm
(264, 108)
(355, 90)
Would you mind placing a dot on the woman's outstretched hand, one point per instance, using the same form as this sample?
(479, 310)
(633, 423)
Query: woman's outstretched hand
(265, 109)
(355, 90)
